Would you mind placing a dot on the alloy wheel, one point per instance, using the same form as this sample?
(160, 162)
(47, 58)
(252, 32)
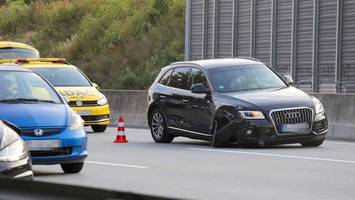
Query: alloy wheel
(157, 125)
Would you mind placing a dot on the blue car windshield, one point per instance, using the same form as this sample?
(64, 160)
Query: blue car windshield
(244, 78)
(10, 53)
(19, 87)
(63, 76)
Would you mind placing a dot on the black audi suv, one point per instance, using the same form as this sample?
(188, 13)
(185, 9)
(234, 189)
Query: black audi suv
(233, 100)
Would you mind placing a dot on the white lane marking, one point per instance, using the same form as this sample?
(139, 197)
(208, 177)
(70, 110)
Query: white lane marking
(340, 143)
(116, 164)
(276, 155)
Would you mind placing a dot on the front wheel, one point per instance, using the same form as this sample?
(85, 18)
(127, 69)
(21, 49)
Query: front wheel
(313, 143)
(158, 128)
(99, 128)
(222, 134)
(72, 168)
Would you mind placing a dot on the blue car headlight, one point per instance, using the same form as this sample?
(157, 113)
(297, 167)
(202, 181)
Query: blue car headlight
(76, 122)
(12, 148)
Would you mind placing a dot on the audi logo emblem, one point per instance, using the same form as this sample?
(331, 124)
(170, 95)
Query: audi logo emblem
(292, 115)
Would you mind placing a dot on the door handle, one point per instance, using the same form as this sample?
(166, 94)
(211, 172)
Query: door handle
(185, 100)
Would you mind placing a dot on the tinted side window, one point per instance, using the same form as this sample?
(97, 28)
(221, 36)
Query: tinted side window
(180, 77)
(197, 76)
(165, 79)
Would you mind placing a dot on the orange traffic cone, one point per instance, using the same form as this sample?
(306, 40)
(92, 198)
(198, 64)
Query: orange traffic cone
(120, 137)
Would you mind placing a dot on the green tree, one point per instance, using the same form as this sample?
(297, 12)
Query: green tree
(119, 44)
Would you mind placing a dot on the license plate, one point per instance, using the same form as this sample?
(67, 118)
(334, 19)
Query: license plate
(84, 113)
(294, 128)
(43, 144)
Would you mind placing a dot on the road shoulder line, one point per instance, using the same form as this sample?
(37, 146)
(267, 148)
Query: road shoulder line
(275, 155)
(116, 164)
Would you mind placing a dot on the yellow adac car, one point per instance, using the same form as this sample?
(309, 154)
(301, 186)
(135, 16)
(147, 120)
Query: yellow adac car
(10, 50)
(83, 95)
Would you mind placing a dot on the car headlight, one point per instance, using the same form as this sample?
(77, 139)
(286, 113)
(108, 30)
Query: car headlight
(252, 114)
(102, 101)
(76, 122)
(12, 148)
(318, 105)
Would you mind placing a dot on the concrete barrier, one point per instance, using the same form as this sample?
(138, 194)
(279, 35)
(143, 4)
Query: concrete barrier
(340, 109)
(131, 104)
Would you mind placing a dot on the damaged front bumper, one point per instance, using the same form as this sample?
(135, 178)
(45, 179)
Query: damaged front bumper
(262, 132)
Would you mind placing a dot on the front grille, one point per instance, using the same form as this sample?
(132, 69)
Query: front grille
(46, 131)
(53, 152)
(95, 117)
(292, 116)
(84, 103)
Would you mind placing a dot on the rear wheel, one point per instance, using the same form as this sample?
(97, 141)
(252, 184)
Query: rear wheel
(99, 128)
(158, 128)
(313, 143)
(72, 168)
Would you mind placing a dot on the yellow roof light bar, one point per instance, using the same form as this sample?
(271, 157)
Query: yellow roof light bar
(7, 61)
(29, 60)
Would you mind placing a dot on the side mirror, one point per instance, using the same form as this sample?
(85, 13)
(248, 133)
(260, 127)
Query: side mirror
(288, 79)
(199, 88)
(95, 85)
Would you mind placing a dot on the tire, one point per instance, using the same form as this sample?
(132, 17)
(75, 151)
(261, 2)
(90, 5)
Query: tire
(248, 145)
(158, 128)
(72, 168)
(313, 143)
(213, 132)
(219, 138)
(99, 128)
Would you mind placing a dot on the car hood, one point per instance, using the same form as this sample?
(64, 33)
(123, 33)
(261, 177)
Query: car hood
(80, 93)
(271, 99)
(35, 115)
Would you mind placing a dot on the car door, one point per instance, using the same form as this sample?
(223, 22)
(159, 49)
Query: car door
(175, 98)
(198, 114)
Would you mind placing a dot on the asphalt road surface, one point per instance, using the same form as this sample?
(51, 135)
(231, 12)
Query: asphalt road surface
(192, 169)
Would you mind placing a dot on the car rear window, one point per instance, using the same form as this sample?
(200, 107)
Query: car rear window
(10, 53)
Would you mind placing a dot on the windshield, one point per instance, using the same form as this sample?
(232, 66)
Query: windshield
(63, 76)
(9, 53)
(25, 86)
(244, 78)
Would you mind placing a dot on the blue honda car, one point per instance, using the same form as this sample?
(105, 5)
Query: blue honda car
(54, 134)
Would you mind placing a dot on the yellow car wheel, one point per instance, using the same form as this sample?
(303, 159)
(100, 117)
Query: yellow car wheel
(99, 128)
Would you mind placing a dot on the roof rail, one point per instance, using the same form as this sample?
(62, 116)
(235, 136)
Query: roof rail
(249, 58)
